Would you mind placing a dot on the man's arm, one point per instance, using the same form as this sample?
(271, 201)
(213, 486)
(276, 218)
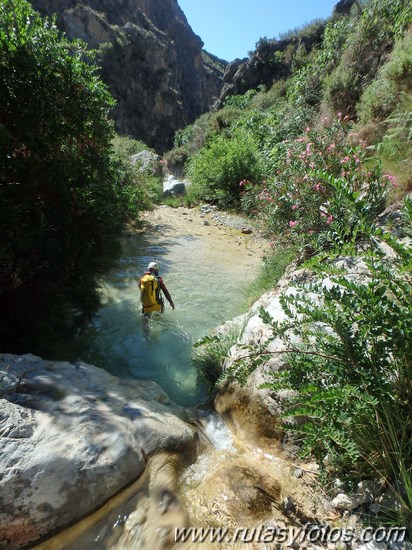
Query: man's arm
(166, 292)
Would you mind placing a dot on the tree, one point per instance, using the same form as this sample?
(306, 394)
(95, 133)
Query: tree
(62, 202)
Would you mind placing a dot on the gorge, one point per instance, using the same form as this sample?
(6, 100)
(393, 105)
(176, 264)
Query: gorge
(110, 440)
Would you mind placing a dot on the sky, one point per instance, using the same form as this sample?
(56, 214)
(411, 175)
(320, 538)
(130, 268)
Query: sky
(231, 28)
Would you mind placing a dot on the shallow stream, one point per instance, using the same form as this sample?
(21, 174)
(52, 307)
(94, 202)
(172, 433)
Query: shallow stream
(206, 279)
(234, 481)
(206, 275)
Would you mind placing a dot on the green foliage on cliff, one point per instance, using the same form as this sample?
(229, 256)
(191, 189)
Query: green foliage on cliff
(359, 69)
(64, 195)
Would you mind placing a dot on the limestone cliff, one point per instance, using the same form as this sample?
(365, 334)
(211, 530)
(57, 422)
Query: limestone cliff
(270, 61)
(266, 65)
(151, 60)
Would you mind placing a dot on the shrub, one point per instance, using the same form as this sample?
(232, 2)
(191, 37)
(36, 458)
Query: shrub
(366, 50)
(209, 355)
(323, 190)
(389, 91)
(126, 146)
(240, 101)
(64, 202)
(350, 371)
(217, 170)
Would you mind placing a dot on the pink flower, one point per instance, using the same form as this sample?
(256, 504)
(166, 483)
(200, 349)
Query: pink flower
(391, 179)
(308, 146)
(331, 147)
(307, 129)
(295, 207)
(329, 220)
(293, 223)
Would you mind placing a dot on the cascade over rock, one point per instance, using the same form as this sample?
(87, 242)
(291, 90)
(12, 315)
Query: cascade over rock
(151, 60)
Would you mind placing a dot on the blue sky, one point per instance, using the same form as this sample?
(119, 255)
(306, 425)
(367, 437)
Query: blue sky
(231, 28)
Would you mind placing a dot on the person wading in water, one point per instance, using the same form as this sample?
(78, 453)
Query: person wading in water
(151, 287)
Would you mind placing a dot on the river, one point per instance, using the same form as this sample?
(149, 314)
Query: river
(206, 269)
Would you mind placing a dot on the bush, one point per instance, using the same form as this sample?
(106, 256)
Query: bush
(324, 190)
(209, 355)
(143, 187)
(389, 91)
(350, 371)
(126, 146)
(217, 170)
(63, 201)
(366, 50)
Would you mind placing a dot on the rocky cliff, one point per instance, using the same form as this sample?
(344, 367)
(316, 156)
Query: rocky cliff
(151, 60)
(270, 61)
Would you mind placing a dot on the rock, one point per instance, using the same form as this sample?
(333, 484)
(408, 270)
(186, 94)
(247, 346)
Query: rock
(372, 546)
(151, 60)
(148, 161)
(347, 502)
(249, 409)
(71, 436)
(260, 69)
(173, 187)
(206, 208)
(343, 7)
(365, 494)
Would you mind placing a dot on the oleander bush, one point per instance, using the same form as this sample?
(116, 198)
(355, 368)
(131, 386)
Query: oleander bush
(324, 190)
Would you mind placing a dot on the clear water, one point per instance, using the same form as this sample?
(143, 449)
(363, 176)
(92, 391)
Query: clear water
(206, 283)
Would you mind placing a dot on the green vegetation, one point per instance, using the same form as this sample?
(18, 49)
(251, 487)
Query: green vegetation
(350, 370)
(209, 355)
(274, 264)
(216, 171)
(315, 158)
(65, 195)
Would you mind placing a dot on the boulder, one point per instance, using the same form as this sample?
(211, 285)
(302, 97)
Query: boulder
(250, 410)
(173, 187)
(343, 7)
(148, 162)
(71, 437)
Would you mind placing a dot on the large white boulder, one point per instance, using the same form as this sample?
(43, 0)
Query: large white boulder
(71, 436)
